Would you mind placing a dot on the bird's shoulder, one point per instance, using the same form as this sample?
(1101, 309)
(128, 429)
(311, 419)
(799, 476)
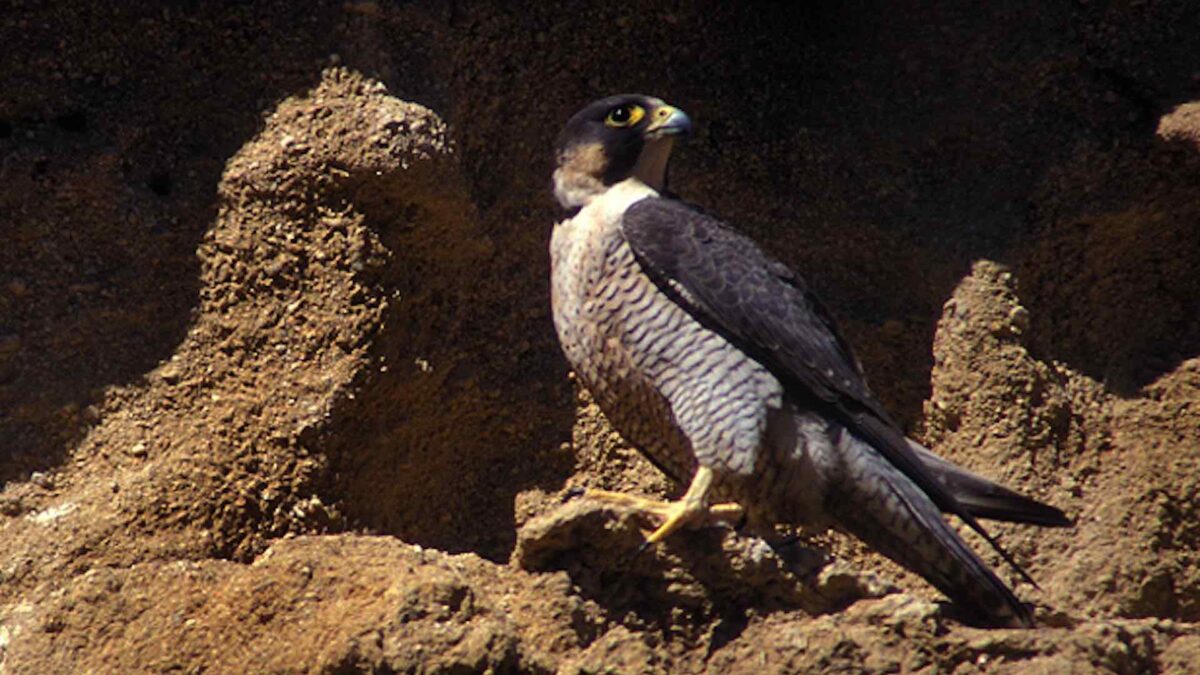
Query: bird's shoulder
(761, 304)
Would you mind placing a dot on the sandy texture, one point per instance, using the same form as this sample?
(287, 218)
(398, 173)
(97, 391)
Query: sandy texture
(279, 390)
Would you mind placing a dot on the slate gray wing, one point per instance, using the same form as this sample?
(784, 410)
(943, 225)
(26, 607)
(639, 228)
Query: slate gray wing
(732, 286)
(751, 297)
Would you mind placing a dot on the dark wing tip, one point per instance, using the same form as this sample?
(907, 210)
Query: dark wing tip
(984, 498)
(1014, 508)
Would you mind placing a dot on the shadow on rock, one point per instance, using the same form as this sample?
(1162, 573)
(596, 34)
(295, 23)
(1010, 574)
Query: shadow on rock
(459, 400)
(702, 580)
(1114, 293)
(106, 189)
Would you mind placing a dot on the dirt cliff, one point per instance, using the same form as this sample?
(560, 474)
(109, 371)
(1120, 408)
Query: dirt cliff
(279, 389)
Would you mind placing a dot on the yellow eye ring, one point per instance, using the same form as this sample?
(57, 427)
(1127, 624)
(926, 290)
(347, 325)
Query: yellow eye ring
(625, 115)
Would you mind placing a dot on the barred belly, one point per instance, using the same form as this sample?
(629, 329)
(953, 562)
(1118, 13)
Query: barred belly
(677, 390)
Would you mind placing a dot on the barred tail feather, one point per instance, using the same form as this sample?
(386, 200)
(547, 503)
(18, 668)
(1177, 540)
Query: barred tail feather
(880, 505)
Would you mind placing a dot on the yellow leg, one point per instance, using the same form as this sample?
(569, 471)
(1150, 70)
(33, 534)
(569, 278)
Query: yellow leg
(692, 507)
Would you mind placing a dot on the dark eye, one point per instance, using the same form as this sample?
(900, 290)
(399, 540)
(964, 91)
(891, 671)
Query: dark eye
(624, 116)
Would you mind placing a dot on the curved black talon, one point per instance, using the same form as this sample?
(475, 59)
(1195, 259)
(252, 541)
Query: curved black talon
(573, 493)
(741, 523)
(627, 561)
(786, 542)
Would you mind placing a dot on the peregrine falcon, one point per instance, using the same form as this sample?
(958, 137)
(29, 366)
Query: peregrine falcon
(724, 369)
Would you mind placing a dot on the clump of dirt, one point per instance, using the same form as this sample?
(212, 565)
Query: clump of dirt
(207, 454)
(279, 389)
(1124, 464)
(330, 604)
(716, 576)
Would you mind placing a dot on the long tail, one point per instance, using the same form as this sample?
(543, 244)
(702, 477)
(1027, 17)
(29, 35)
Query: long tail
(877, 503)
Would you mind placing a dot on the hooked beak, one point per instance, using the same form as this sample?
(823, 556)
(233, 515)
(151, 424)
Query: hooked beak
(668, 121)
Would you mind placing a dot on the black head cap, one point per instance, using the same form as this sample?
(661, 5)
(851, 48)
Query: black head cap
(613, 139)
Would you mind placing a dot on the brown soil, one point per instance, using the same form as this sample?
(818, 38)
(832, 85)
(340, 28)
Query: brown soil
(279, 390)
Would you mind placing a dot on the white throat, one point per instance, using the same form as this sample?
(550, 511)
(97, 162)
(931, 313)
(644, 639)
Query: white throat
(574, 189)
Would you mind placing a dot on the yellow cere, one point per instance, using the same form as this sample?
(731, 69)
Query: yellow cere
(624, 116)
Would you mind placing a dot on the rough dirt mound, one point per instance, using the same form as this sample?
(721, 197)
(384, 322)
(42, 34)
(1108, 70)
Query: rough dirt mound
(278, 385)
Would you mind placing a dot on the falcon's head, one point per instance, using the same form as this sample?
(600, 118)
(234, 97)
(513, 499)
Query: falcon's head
(613, 139)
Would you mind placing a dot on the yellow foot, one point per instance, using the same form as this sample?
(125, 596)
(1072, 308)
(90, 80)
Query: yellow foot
(690, 509)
